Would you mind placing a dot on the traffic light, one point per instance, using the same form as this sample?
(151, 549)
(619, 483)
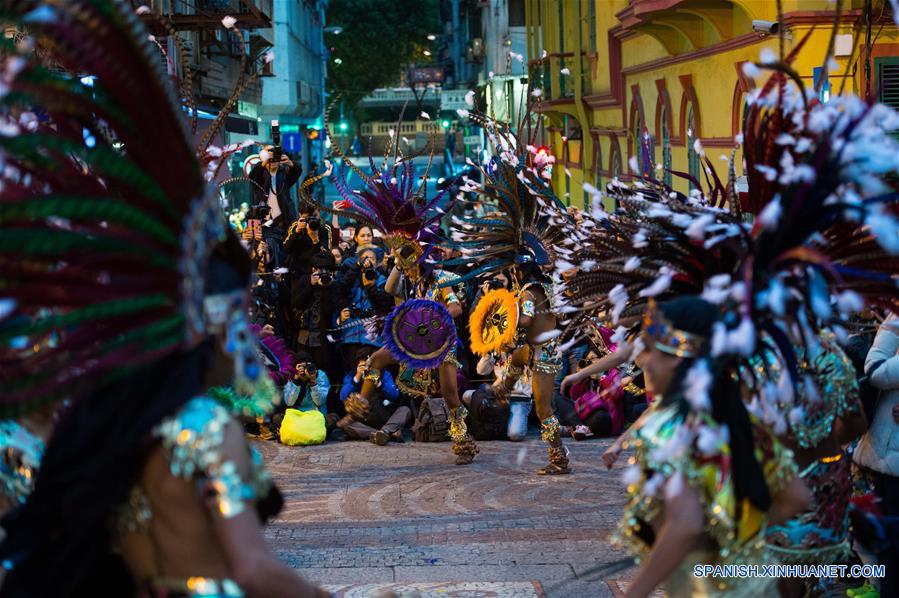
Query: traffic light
(445, 123)
(343, 126)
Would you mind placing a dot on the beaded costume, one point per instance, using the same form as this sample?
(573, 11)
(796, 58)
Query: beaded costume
(670, 442)
(116, 244)
(19, 463)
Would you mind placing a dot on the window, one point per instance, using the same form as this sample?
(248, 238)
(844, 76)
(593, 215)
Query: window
(516, 13)
(693, 162)
(666, 145)
(887, 70)
(561, 27)
(638, 142)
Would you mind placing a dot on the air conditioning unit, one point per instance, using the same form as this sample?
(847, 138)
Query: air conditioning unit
(304, 93)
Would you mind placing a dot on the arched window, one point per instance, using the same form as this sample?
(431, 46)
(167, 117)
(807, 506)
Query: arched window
(666, 145)
(693, 163)
(638, 142)
(597, 164)
(614, 162)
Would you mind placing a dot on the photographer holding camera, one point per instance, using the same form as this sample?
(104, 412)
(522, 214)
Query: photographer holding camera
(274, 176)
(313, 301)
(360, 294)
(306, 237)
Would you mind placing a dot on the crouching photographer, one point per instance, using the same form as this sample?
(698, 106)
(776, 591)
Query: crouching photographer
(379, 420)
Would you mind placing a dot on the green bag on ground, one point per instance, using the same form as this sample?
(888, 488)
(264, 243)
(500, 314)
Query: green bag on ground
(302, 428)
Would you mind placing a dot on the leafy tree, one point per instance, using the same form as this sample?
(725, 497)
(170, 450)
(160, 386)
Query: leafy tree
(379, 38)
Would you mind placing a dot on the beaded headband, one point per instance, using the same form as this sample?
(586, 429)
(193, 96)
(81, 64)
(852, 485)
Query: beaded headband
(666, 337)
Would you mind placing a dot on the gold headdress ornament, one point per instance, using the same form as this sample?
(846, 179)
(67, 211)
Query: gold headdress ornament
(666, 338)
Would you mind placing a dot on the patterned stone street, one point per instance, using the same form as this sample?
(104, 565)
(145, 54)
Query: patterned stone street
(361, 519)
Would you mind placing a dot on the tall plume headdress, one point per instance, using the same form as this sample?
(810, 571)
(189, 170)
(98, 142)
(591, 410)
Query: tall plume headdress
(393, 201)
(108, 223)
(526, 224)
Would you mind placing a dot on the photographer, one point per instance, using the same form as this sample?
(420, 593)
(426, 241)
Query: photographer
(308, 390)
(274, 176)
(360, 294)
(313, 304)
(306, 237)
(380, 420)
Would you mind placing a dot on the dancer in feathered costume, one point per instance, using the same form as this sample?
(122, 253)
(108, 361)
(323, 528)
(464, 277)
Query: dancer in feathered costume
(113, 243)
(522, 237)
(770, 343)
(420, 333)
(825, 246)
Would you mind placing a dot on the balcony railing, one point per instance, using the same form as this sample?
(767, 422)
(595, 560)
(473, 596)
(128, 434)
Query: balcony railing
(208, 14)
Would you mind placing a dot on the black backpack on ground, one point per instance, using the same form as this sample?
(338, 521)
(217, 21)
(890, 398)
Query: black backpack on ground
(432, 422)
(489, 418)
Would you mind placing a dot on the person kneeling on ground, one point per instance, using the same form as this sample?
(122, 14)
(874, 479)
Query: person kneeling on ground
(378, 420)
(307, 391)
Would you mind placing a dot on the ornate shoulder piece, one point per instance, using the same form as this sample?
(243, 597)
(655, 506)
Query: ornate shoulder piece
(19, 461)
(193, 442)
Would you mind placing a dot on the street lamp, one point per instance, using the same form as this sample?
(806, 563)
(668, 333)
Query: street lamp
(338, 61)
(427, 52)
(431, 37)
(335, 29)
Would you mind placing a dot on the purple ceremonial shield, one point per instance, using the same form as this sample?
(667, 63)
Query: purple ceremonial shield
(420, 333)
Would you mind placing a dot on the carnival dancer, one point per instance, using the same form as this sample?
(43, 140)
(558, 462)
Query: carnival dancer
(707, 476)
(842, 268)
(420, 333)
(522, 237)
(147, 486)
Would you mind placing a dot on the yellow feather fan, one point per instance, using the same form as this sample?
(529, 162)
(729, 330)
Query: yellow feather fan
(494, 322)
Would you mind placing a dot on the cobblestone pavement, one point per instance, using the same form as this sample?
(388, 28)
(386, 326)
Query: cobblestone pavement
(359, 513)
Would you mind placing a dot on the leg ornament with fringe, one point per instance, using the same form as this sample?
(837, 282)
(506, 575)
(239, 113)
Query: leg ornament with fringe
(464, 446)
(558, 455)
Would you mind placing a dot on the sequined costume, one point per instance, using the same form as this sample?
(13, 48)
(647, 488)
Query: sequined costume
(192, 443)
(19, 463)
(667, 443)
(522, 237)
(821, 534)
(116, 245)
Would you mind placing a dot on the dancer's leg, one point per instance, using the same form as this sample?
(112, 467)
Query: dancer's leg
(547, 364)
(464, 446)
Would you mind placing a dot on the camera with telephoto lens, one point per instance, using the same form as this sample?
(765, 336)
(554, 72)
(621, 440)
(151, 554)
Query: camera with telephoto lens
(583, 363)
(369, 274)
(326, 278)
(313, 223)
(277, 152)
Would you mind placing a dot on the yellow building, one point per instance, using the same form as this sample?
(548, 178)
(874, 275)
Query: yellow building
(670, 71)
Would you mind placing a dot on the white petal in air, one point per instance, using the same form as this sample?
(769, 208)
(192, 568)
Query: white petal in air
(228, 22)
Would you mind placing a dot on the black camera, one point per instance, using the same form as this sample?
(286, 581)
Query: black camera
(583, 363)
(494, 284)
(314, 223)
(276, 142)
(369, 274)
(326, 278)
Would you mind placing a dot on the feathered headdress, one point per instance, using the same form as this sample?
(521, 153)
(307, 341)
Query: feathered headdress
(393, 201)
(108, 224)
(526, 223)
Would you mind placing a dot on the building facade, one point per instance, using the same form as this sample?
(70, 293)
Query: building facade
(618, 76)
